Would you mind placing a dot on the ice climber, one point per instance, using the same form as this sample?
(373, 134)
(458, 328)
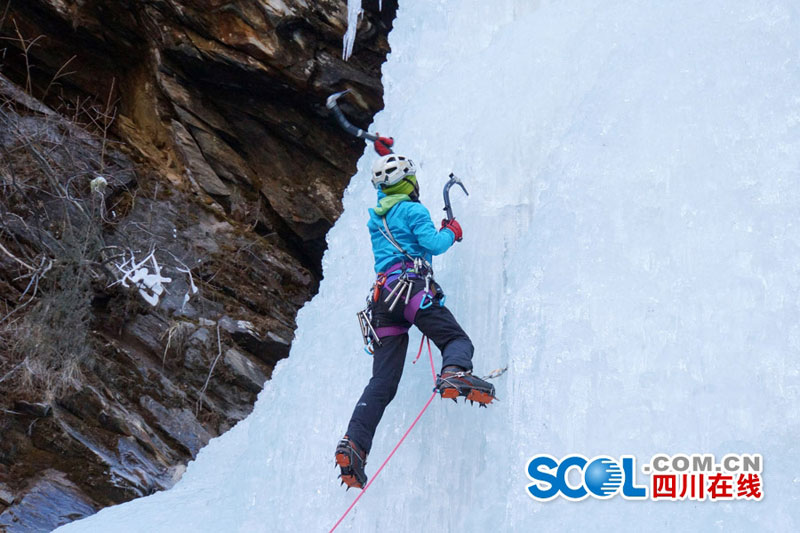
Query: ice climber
(404, 239)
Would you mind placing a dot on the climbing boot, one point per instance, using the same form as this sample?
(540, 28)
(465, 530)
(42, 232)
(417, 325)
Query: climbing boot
(454, 381)
(352, 460)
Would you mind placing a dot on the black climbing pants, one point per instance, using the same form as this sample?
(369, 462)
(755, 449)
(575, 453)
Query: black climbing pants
(439, 324)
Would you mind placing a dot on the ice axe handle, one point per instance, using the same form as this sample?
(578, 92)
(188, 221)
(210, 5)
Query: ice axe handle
(333, 105)
(452, 181)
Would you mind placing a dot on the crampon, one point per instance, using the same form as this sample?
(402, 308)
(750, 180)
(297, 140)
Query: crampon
(454, 382)
(352, 460)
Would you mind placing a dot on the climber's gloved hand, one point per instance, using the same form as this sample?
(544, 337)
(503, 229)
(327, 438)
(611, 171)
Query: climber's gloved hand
(453, 226)
(383, 145)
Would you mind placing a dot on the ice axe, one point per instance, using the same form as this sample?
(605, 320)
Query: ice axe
(452, 181)
(343, 122)
(333, 105)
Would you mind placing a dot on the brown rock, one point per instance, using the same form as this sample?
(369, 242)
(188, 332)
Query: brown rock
(228, 95)
(196, 165)
(51, 501)
(178, 424)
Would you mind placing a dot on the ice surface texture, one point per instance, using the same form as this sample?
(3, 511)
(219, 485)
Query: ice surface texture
(631, 250)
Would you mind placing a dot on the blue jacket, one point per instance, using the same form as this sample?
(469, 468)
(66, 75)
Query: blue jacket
(412, 227)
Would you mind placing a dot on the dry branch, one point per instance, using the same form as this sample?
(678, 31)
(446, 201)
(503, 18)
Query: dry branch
(15, 258)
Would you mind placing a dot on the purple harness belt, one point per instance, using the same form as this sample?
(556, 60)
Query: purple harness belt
(410, 310)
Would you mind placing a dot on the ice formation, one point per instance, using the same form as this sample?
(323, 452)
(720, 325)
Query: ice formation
(631, 251)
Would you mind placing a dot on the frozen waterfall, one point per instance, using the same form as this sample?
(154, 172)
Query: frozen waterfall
(631, 251)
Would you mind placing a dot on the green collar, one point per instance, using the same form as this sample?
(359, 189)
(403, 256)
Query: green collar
(386, 203)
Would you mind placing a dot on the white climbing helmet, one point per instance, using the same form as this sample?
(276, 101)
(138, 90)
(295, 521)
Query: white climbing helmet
(390, 169)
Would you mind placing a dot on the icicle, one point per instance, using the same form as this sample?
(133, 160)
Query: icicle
(353, 12)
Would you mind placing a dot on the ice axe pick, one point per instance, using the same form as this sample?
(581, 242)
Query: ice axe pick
(452, 181)
(333, 105)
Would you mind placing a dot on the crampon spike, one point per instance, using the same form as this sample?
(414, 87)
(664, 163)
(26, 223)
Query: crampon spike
(450, 393)
(480, 396)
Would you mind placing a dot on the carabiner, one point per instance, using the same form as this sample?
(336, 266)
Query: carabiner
(424, 304)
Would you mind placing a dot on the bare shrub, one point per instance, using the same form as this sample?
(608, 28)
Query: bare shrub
(52, 215)
(53, 337)
(176, 335)
(63, 188)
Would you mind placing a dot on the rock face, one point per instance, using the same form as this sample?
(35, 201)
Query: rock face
(227, 96)
(51, 499)
(185, 144)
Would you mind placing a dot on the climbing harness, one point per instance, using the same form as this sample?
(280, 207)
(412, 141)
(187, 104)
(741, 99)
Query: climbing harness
(402, 285)
(402, 275)
(421, 267)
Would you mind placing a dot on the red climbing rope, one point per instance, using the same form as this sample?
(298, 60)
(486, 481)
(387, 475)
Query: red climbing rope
(433, 369)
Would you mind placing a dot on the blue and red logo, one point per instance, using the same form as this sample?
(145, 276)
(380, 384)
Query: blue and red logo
(575, 477)
(674, 478)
